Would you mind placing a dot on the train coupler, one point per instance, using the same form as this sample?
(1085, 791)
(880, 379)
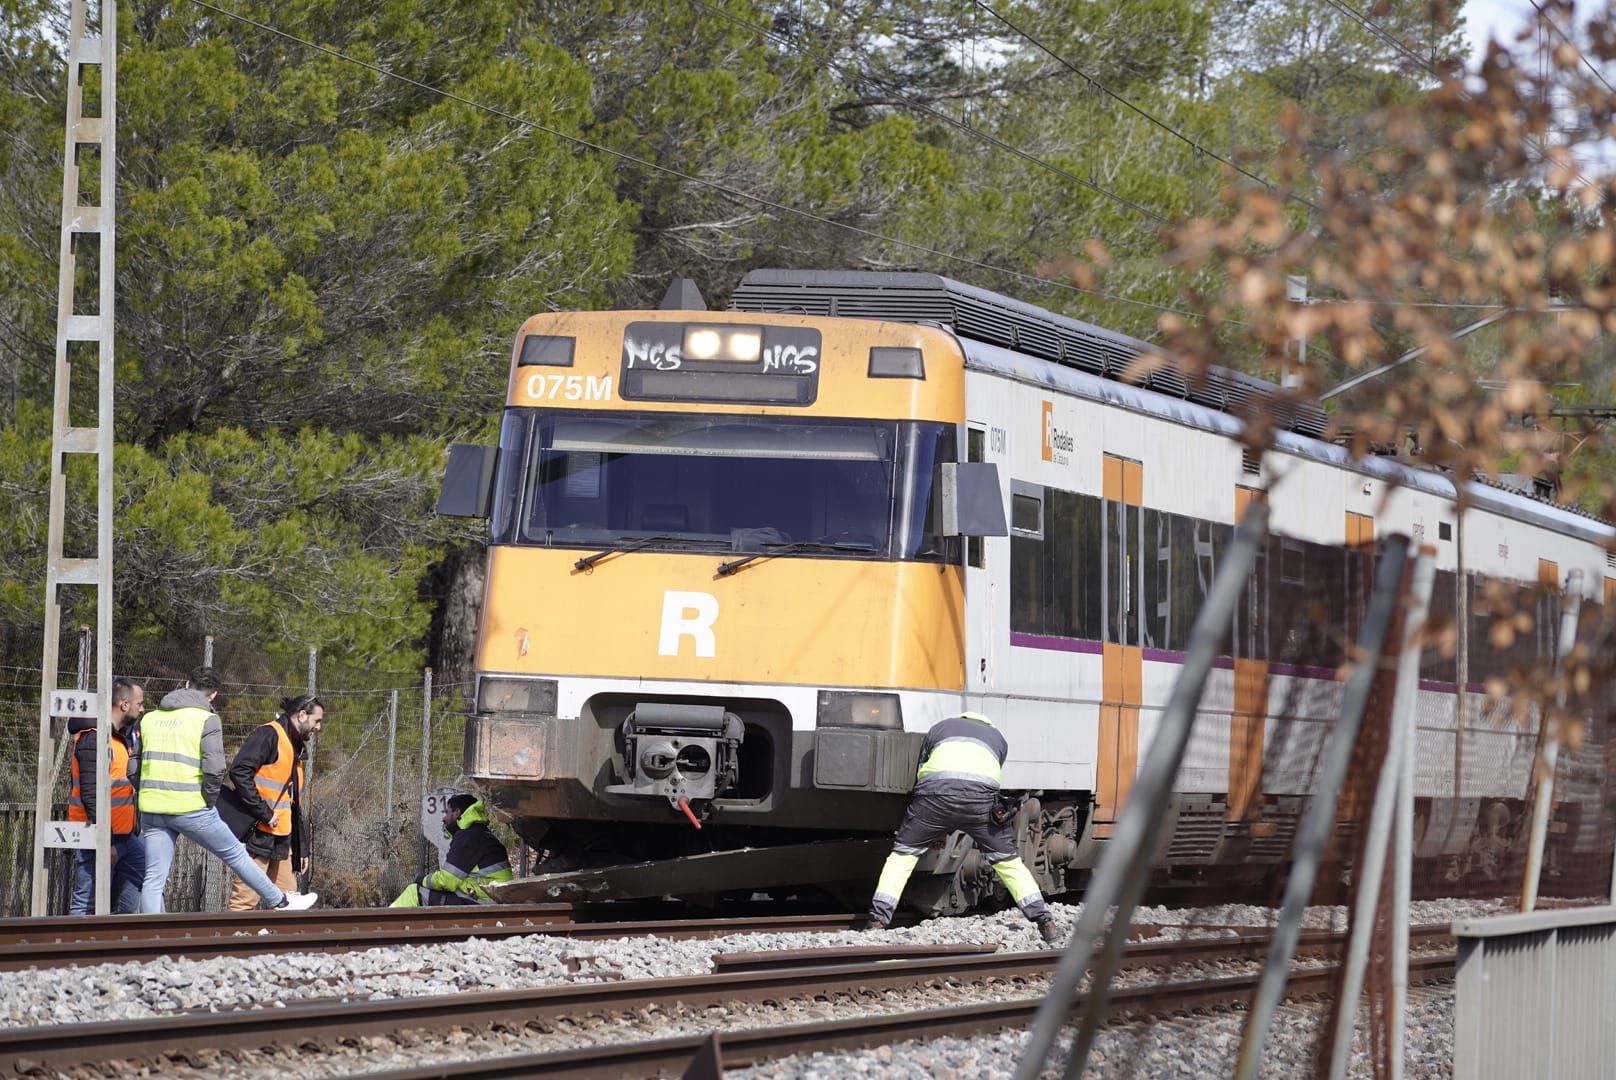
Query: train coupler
(680, 752)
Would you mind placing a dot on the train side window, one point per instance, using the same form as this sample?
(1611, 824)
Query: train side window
(1158, 567)
(1292, 561)
(975, 450)
(512, 460)
(1055, 579)
(1026, 509)
(1444, 597)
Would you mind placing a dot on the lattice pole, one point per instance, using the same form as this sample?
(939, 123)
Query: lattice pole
(84, 49)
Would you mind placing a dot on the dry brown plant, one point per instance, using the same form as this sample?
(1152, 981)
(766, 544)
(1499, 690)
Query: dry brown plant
(1475, 207)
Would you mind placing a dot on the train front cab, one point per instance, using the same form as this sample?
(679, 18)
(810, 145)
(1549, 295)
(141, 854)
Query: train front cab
(724, 591)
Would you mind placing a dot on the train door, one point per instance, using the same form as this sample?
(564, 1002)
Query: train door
(1248, 723)
(1361, 557)
(1122, 673)
(981, 620)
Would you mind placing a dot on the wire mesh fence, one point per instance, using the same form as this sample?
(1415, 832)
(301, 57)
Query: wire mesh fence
(366, 770)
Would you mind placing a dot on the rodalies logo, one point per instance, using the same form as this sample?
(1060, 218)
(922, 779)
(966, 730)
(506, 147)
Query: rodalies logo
(1058, 443)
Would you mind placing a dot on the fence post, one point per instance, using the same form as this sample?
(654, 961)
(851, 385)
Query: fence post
(207, 651)
(426, 749)
(392, 747)
(1549, 744)
(314, 744)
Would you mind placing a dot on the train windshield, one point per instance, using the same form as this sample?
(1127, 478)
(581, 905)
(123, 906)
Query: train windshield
(834, 488)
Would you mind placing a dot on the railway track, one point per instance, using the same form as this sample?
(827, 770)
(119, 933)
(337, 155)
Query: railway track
(751, 1047)
(48, 943)
(795, 974)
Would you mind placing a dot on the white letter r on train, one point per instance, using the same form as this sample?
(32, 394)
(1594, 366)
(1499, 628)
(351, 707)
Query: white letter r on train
(688, 614)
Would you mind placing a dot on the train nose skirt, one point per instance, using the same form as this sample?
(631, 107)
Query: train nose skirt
(711, 872)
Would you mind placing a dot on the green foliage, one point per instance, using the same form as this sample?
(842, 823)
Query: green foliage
(320, 268)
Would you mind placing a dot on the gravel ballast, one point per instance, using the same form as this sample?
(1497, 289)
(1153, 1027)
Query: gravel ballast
(113, 992)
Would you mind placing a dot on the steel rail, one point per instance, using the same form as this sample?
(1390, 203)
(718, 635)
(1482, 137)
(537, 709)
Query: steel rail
(751, 1047)
(62, 1046)
(251, 938)
(142, 939)
(65, 928)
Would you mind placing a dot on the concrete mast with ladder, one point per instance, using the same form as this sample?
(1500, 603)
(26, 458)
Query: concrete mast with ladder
(85, 50)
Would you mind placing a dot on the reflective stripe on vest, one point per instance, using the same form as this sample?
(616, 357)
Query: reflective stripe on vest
(171, 760)
(120, 792)
(963, 757)
(482, 873)
(479, 876)
(274, 781)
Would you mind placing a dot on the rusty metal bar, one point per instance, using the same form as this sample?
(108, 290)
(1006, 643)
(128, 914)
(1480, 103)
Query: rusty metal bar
(1119, 879)
(1381, 819)
(771, 959)
(1320, 817)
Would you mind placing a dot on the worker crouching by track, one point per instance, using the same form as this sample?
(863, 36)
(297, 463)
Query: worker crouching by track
(475, 859)
(957, 787)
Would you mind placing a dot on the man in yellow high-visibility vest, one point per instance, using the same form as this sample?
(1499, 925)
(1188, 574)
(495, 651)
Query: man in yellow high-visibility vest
(182, 766)
(957, 787)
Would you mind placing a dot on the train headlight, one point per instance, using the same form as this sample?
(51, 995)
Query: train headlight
(707, 341)
(508, 695)
(843, 709)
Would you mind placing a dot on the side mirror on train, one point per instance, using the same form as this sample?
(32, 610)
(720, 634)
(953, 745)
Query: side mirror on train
(468, 482)
(972, 501)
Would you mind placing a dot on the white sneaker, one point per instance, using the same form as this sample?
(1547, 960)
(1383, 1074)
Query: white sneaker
(297, 901)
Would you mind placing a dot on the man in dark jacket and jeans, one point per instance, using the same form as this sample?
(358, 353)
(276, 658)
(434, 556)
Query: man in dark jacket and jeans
(262, 800)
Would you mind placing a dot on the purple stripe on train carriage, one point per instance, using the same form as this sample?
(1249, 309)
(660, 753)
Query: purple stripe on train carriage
(1058, 644)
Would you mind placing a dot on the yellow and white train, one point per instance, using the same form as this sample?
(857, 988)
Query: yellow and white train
(739, 560)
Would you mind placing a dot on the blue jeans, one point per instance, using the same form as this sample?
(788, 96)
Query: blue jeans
(128, 876)
(205, 829)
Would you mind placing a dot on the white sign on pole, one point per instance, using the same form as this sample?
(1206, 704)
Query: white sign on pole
(433, 804)
(70, 834)
(74, 703)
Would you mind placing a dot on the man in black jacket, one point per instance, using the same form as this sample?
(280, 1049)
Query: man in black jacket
(263, 798)
(475, 859)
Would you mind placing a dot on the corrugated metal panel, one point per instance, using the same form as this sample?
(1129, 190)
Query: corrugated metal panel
(1536, 994)
(979, 315)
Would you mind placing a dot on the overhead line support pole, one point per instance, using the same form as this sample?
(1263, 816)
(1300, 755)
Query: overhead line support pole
(85, 50)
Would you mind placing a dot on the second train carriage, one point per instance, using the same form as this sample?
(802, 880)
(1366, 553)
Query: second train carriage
(740, 560)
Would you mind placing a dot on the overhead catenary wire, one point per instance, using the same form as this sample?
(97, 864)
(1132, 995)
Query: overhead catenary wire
(1555, 26)
(1391, 39)
(1194, 144)
(920, 106)
(726, 189)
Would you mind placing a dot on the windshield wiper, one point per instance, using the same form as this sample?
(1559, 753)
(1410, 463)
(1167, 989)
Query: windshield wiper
(727, 568)
(643, 542)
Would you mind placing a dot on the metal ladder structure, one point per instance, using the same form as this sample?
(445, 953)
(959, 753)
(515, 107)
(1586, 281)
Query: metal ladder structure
(86, 50)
